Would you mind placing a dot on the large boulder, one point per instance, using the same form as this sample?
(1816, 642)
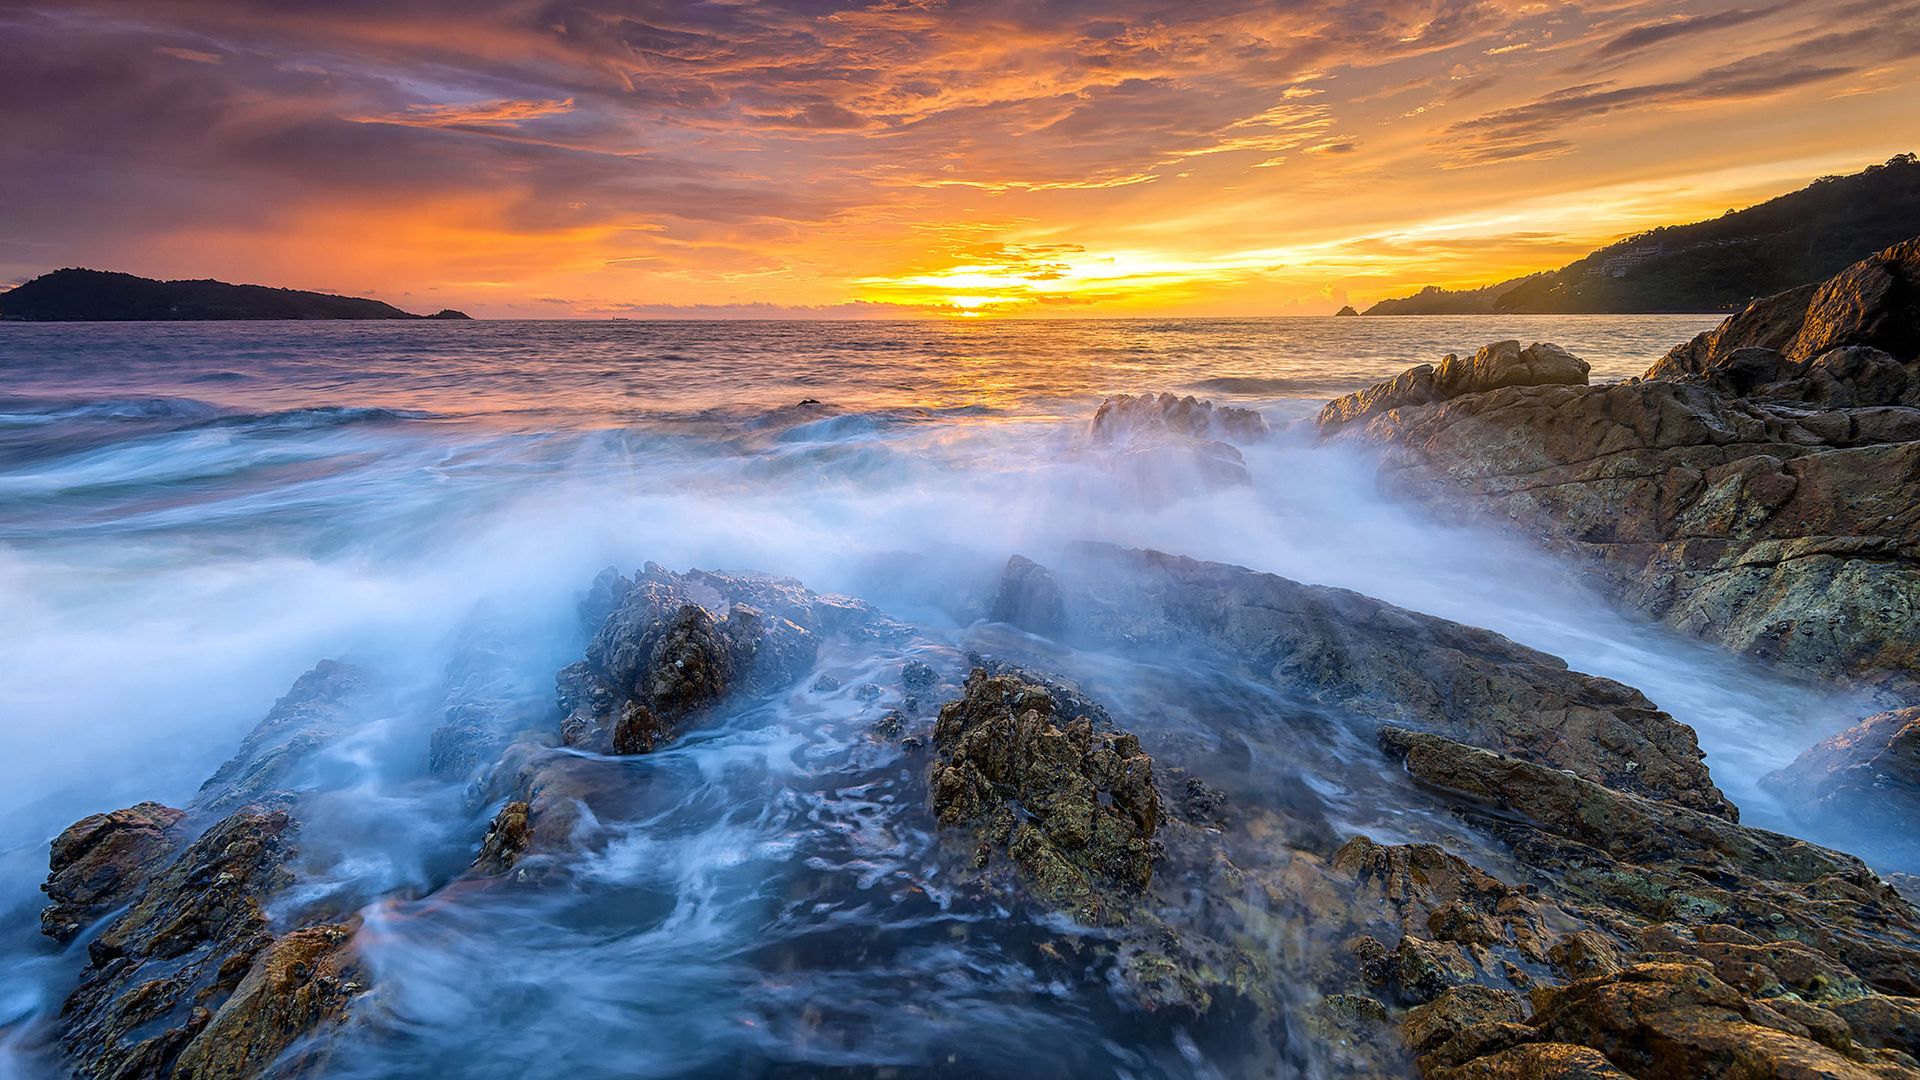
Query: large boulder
(1872, 303)
(671, 646)
(1371, 658)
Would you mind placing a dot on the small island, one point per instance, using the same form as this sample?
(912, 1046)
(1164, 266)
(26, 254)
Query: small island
(1346, 310)
(103, 296)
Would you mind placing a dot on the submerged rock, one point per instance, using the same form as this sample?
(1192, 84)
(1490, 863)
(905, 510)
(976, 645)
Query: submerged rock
(271, 759)
(1377, 660)
(1865, 780)
(1074, 808)
(100, 862)
(1125, 418)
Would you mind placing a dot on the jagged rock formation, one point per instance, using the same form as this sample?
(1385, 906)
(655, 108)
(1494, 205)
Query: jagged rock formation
(1754, 499)
(1870, 304)
(1378, 660)
(672, 646)
(191, 980)
(1086, 799)
(666, 649)
(102, 861)
(1708, 948)
(1125, 418)
(269, 763)
(1504, 363)
(1163, 446)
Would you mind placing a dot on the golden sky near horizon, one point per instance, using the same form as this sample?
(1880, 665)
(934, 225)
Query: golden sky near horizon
(556, 158)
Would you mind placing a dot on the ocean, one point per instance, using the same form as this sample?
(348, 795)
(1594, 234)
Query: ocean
(191, 515)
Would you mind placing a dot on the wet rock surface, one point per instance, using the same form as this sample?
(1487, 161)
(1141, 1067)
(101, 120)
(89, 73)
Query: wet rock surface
(102, 861)
(192, 981)
(666, 650)
(1341, 648)
(1867, 778)
(1075, 809)
(672, 646)
(274, 757)
(1753, 490)
(1708, 948)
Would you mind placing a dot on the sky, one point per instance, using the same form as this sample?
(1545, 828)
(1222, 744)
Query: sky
(809, 158)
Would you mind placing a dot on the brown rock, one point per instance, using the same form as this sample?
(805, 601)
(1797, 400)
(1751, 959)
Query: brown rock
(1812, 920)
(100, 862)
(179, 950)
(1784, 534)
(298, 987)
(1870, 303)
(1088, 796)
(1503, 363)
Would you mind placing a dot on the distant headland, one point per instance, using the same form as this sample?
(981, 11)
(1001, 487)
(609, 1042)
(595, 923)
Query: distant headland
(1717, 265)
(103, 296)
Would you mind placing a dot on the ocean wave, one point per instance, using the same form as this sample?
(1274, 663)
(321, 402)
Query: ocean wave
(30, 411)
(326, 416)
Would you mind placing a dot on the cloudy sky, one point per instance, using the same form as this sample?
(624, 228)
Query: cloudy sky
(556, 158)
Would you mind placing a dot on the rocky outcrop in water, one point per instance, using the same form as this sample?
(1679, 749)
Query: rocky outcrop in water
(1504, 363)
(1074, 808)
(192, 981)
(101, 861)
(666, 650)
(1757, 498)
(1125, 418)
(1377, 660)
(1163, 447)
(1865, 779)
(274, 757)
(672, 646)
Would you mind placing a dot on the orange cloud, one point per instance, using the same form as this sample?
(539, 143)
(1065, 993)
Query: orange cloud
(947, 156)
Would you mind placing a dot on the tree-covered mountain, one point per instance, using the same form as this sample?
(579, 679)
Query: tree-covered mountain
(1716, 265)
(103, 296)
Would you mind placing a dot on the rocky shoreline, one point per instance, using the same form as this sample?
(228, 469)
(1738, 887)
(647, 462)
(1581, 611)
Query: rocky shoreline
(1590, 906)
